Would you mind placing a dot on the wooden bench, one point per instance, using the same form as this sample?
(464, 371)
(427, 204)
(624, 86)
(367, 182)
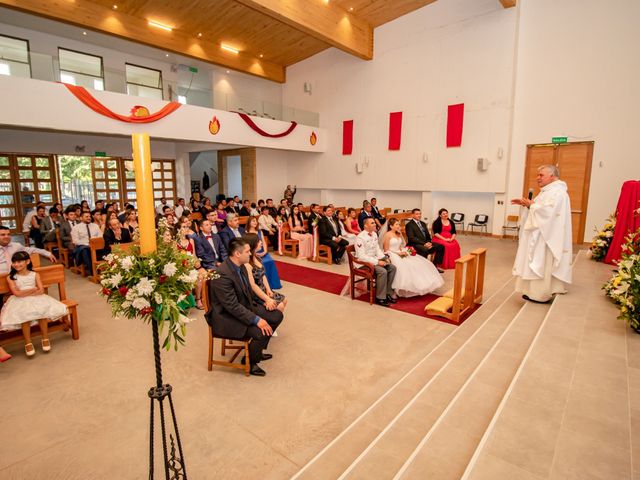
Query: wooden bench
(323, 252)
(288, 245)
(51, 276)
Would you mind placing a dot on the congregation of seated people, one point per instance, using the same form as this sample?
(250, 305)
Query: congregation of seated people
(230, 232)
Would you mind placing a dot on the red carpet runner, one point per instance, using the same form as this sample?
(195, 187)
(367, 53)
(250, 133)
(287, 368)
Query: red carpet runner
(334, 283)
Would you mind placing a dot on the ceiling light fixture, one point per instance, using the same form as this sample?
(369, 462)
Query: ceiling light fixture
(160, 25)
(84, 33)
(228, 71)
(229, 49)
(115, 7)
(199, 35)
(166, 54)
(261, 55)
(351, 9)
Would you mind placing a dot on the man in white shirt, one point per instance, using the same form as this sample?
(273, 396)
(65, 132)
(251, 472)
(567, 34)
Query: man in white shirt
(8, 248)
(269, 226)
(179, 208)
(161, 205)
(26, 223)
(80, 236)
(368, 251)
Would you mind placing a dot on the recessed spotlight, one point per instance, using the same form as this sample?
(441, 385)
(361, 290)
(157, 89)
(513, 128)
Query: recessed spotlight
(229, 48)
(351, 9)
(228, 71)
(153, 23)
(166, 54)
(261, 55)
(199, 35)
(84, 33)
(115, 7)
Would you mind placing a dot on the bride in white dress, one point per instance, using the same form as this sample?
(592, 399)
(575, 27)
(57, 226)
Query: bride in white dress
(415, 275)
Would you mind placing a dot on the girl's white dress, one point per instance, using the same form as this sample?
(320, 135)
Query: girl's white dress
(18, 310)
(415, 275)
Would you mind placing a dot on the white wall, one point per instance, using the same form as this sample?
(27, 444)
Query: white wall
(448, 52)
(577, 76)
(234, 176)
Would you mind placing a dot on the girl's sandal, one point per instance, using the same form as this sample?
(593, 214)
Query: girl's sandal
(46, 345)
(29, 351)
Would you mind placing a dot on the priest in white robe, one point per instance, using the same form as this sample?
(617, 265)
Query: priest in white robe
(543, 261)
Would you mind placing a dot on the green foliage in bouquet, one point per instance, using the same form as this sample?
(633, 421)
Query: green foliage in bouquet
(624, 286)
(602, 240)
(151, 287)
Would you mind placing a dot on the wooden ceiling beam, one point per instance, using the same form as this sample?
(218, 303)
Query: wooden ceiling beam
(508, 3)
(322, 20)
(89, 15)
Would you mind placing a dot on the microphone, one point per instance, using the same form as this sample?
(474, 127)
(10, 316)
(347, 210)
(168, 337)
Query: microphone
(530, 196)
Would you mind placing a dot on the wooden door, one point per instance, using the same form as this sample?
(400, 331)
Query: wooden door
(164, 180)
(574, 162)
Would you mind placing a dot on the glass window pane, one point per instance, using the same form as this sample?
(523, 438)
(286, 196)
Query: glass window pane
(5, 187)
(25, 173)
(26, 186)
(114, 195)
(44, 174)
(4, 161)
(24, 161)
(98, 164)
(42, 162)
(129, 174)
(168, 185)
(157, 194)
(6, 199)
(7, 212)
(157, 184)
(99, 175)
(156, 166)
(157, 174)
(131, 195)
(143, 76)
(113, 185)
(46, 198)
(80, 62)
(9, 223)
(131, 185)
(112, 174)
(5, 174)
(112, 164)
(44, 186)
(168, 174)
(14, 49)
(101, 186)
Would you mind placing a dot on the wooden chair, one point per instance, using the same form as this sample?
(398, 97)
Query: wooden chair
(226, 343)
(289, 245)
(479, 222)
(361, 272)
(455, 303)
(323, 253)
(35, 260)
(27, 239)
(95, 244)
(481, 255)
(51, 276)
(53, 245)
(511, 225)
(63, 253)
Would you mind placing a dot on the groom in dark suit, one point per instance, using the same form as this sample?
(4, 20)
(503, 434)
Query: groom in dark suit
(418, 237)
(234, 314)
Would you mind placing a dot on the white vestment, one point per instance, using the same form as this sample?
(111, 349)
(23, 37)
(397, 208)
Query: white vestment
(543, 261)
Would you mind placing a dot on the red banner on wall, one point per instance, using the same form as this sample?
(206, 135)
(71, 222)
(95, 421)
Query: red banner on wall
(347, 137)
(455, 117)
(395, 130)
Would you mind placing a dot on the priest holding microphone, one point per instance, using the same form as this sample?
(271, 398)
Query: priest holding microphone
(543, 261)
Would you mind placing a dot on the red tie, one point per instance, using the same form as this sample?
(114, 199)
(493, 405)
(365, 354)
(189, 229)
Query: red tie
(208, 237)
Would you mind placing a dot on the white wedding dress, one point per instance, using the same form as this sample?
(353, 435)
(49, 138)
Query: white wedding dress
(415, 275)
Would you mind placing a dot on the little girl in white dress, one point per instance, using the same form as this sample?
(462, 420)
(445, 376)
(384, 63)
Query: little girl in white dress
(29, 305)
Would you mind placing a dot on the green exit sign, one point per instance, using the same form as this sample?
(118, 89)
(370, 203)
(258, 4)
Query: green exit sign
(101, 154)
(559, 140)
(193, 69)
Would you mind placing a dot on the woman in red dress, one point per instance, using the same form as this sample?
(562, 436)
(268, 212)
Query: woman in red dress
(444, 233)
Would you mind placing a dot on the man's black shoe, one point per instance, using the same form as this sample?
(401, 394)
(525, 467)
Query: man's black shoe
(440, 270)
(525, 297)
(266, 356)
(390, 299)
(382, 303)
(257, 371)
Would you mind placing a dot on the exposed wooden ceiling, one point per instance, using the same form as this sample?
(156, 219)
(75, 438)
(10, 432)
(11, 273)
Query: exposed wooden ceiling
(269, 34)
